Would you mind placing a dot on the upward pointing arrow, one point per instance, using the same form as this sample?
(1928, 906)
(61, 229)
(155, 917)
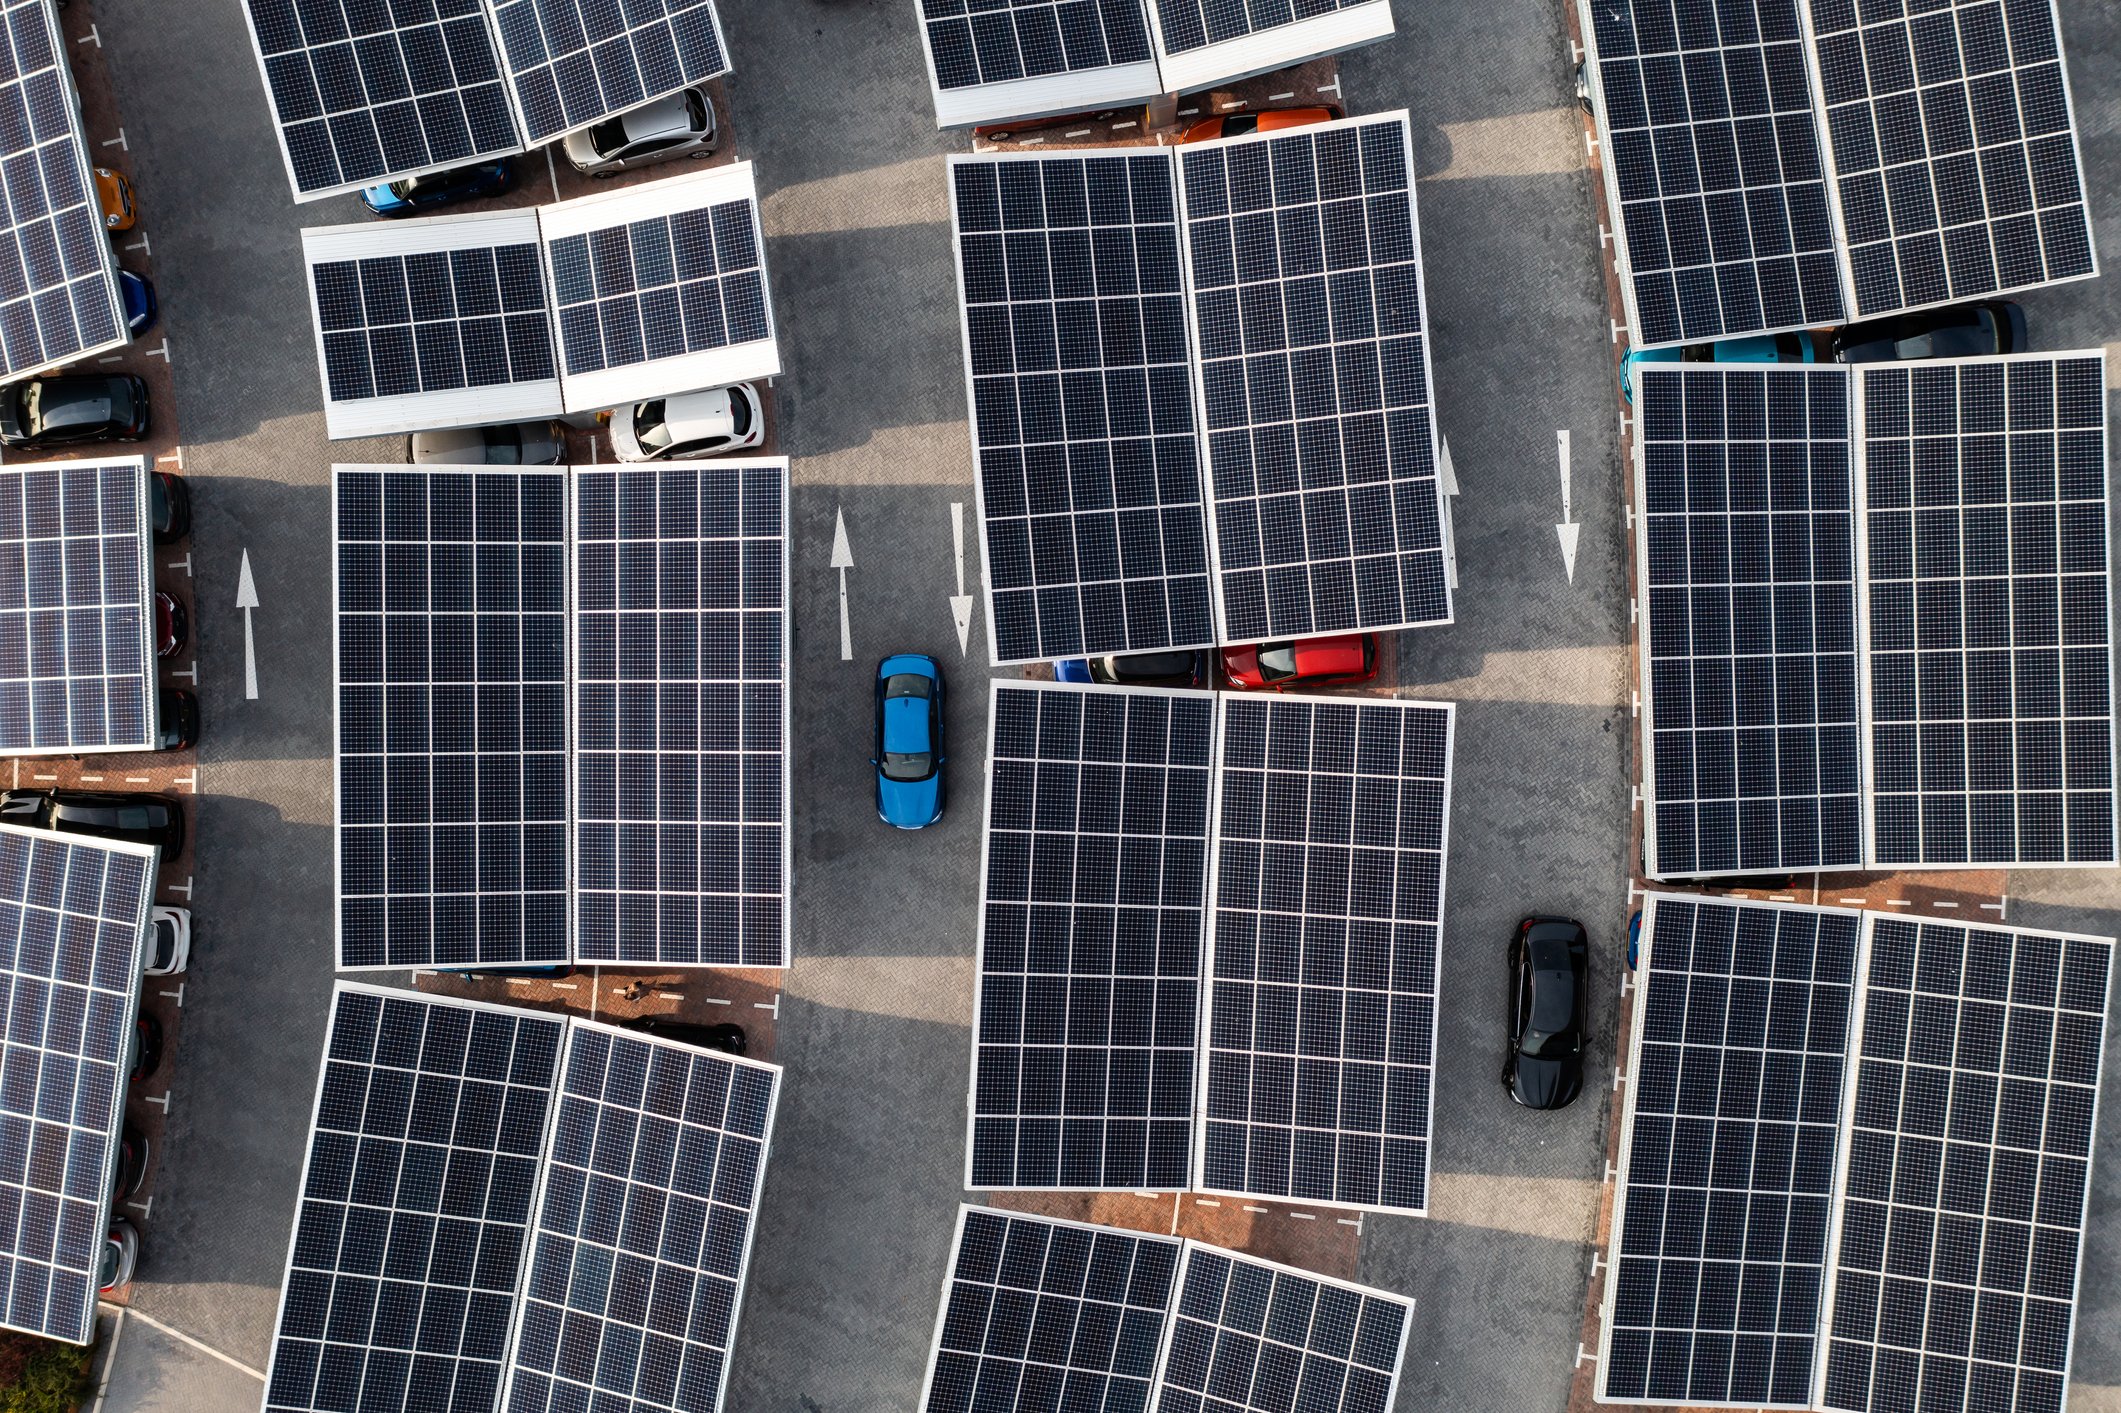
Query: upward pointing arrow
(1568, 530)
(247, 599)
(843, 560)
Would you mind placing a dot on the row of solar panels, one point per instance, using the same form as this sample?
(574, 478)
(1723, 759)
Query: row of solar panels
(1855, 1152)
(1040, 1313)
(454, 321)
(1200, 391)
(991, 60)
(507, 1208)
(59, 295)
(1783, 164)
(371, 93)
(1209, 942)
(1876, 618)
(562, 715)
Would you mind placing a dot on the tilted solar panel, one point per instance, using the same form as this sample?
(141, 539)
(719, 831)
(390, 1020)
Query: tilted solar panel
(1083, 424)
(1729, 1140)
(1956, 1263)
(1039, 1313)
(996, 59)
(1749, 602)
(1712, 165)
(452, 716)
(76, 637)
(1327, 899)
(1987, 598)
(681, 712)
(75, 913)
(572, 62)
(644, 1217)
(1089, 975)
(366, 93)
(1202, 42)
(1953, 149)
(1306, 287)
(415, 1200)
(59, 299)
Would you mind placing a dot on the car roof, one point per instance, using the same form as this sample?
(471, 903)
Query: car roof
(666, 117)
(700, 414)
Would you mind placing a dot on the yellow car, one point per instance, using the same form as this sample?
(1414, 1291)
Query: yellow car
(116, 194)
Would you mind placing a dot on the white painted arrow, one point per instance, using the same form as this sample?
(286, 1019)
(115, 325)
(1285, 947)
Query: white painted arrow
(843, 560)
(1568, 529)
(1447, 490)
(247, 599)
(960, 602)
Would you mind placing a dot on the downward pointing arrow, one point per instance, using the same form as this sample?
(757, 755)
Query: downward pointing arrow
(960, 602)
(247, 599)
(1568, 530)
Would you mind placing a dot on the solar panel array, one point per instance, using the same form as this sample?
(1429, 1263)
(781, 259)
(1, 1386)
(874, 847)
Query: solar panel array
(1250, 1336)
(1750, 600)
(1039, 1313)
(1094, 881)
(452, 717)
(573, 62)
(1990, 626)
(973, 42)
(1075, 331)
(1712, 159)
(416, 1196)
(681, 634)
(366, 93)
(1306, 288)
(1729, 1144)
(1956, 1264)
(58, 280)
(1954, 151)
(1326, 905)
(74, 912)
(660, 287)
(643, 1230)
(432, 322)
(76, 659)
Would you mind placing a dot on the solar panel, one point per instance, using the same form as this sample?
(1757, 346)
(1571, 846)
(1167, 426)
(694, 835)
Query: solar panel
(452, 716)
(1250, 1336)
(1089, 977)
(645, 1213)
(1306, 286)
(1986, 585)
(415, 1199)
(1953, 149)
(1749, 602)
(1039, 1313)
(74, 912)
(364, 93)
(439, 323)
(1729, 1138)
(1956, 1262)
(1326, 901)
(59, 298)
(660, 288)
(1712, 164)
(76, 652)
(681, 714)
(1203, 42)
(1075, 341)
(1023, 58)
(573, 62)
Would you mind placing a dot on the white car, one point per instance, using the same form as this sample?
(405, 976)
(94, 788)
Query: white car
(689, 425)
(681, 125)
(168, 949)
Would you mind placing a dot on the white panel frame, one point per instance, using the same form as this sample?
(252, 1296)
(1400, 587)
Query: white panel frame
(1030, 99)
(1268, 49)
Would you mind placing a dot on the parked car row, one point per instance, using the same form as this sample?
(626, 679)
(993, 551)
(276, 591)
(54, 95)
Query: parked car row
(1299, 664)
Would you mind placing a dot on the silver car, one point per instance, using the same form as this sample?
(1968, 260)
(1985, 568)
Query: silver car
(681, 125)
(510, 444)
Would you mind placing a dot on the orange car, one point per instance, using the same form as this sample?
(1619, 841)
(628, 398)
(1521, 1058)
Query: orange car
(116, 195)
(1273, 120)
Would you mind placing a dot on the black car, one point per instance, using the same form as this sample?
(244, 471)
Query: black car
(147, 1048)
(57, 411)
(1550, 972)
(169, 507)
(131, 1166)
(177, 714)
(1968, 331)
(726, 1036)
(1171, 669)
(145, 819)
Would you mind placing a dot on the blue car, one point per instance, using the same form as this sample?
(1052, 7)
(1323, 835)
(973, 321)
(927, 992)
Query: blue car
(425, 193)
(909, 741)
(141, 306)
(1800, 347)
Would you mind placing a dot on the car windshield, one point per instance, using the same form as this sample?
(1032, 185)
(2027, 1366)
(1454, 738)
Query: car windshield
(165, 948)
(33, 406)
(739, 412)
(608, 136)
(908, 765)
(696, 109)
(649, 428)
(1277, 662)
(1142, 667)
(905, 684)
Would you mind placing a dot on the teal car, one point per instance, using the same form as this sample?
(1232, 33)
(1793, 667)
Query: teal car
(1800, 347)
(909, 741)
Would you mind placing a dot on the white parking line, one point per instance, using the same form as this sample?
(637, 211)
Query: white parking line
(174, 1333)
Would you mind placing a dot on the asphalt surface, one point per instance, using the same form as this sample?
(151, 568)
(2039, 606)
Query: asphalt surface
(829, 98)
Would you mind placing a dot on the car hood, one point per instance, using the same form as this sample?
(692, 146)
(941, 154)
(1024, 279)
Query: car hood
(909, 803)
(1545, 1084)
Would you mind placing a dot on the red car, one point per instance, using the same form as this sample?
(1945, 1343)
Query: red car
(172, 627)
(1338, 661)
